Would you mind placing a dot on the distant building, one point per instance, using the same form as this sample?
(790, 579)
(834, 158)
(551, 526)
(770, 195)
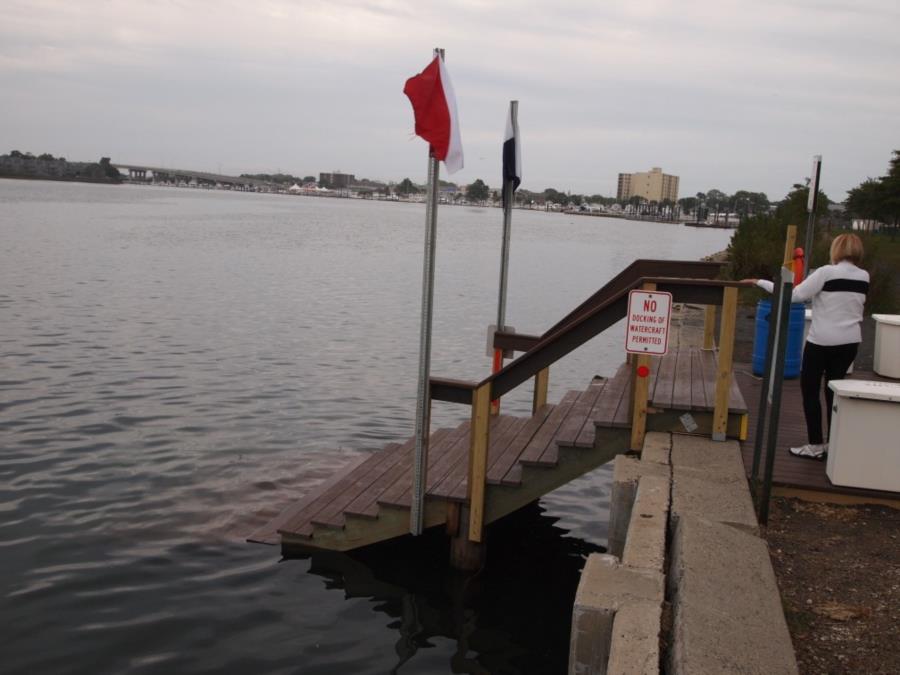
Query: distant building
(337, 180)
(653, 185)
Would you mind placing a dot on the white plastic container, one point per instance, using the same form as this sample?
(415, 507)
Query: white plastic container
(864, 443)
(887, 345)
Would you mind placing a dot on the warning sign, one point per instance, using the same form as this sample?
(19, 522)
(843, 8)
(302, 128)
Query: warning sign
(648, 322)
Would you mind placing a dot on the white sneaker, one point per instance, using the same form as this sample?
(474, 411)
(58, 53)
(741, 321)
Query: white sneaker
(811, 451)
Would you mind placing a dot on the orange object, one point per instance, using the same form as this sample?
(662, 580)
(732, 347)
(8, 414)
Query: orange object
(495, 366)
(798, 266)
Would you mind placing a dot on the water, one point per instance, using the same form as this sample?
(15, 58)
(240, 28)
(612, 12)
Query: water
(178, 365)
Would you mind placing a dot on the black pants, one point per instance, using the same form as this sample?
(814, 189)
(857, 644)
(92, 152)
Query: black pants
(818, 361)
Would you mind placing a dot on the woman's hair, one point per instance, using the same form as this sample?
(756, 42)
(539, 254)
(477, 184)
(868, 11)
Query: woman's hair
(846, 247)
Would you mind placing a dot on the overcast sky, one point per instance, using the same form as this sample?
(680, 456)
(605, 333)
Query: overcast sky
(727, 95)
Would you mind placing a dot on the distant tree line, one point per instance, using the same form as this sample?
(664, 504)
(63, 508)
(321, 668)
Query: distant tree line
(878, 199)
(280, 178)
(18, 164)
(757, 248)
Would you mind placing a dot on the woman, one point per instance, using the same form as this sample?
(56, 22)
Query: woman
(838, 293)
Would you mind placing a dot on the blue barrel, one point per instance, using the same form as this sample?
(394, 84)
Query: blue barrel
(794, 341)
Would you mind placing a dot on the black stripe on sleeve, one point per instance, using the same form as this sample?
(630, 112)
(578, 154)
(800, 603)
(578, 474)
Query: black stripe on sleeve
(846, 285)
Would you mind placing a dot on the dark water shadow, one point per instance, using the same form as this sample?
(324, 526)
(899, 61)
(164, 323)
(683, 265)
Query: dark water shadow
(511, 617)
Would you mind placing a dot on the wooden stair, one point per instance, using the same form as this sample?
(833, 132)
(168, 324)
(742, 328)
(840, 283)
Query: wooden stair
(370, 501)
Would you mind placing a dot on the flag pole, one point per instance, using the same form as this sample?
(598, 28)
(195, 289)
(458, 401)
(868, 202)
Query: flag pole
(508, 189)
(423, 407)
(811, 204)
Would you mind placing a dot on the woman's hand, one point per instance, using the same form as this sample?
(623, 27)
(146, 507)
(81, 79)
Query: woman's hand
(749, 282)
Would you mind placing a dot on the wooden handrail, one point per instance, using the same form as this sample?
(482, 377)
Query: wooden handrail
(603, 309)
(518, 342)
(554, 346)
(454, 391)
(682, 269)
(626, 279)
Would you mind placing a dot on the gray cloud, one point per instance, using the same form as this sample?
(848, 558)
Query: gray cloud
(734, 95)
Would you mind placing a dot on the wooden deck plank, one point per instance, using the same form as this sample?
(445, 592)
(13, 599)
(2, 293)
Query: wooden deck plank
(604, 413)
(501, 465)
(736, 403)
(579, 415)
(301, 524)
(710, 373)
(665, 381)
(456, 466)
(532, 452)
(446, 447)
(366, 504)
(498, 444)
(268, 533)
(332, 514)
(681, 390)
(624, 410)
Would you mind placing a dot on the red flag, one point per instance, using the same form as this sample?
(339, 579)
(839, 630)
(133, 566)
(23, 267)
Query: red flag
(434, 105)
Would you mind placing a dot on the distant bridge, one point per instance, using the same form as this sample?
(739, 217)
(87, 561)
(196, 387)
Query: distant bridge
(139, 172)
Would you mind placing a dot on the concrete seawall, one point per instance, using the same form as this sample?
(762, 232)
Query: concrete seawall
(687, 587)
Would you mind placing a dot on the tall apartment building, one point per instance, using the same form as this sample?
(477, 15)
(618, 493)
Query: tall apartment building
(653, 185)
(337, 180)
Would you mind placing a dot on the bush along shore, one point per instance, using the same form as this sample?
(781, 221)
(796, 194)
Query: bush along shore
(47, 167)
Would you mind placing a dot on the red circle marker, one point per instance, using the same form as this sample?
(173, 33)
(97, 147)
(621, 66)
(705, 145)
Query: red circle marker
(643, 371)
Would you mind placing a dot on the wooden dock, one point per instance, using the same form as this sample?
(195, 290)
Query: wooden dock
(490, 465)
(527, 457)
(794, 475)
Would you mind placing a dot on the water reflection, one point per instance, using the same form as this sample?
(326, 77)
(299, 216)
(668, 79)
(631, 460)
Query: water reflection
(512, 617)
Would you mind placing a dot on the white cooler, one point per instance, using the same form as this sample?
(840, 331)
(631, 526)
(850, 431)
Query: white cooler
(864, 443)
(887, 345)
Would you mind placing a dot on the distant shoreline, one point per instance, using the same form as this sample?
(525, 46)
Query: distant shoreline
(337, 195)
(62, 179)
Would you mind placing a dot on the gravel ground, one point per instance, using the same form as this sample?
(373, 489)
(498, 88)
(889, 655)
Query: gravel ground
(838, 568)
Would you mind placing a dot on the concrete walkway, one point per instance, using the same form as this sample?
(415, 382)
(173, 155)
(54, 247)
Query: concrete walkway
(687, 587)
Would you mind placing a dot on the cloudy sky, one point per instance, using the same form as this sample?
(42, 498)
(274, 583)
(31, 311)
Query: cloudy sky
(728, 95)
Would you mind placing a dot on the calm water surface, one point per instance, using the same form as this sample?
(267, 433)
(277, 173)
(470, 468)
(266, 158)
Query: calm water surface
(176, 365)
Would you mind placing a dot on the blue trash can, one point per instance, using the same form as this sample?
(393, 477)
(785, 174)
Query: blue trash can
(794, 342)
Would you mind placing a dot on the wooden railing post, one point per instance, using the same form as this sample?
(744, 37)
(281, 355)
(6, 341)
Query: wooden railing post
(478, 455)
(541, 382)
(726, 354)
(709, 328)
(640, 387)
(789, 242)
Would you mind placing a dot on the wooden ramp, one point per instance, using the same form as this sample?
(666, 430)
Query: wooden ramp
(527, 457)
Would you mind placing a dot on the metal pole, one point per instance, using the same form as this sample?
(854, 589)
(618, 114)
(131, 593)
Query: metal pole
(420, 465)
(504, 254)
(787, 287)
(811, 204)
(763, 411)
(507, 226)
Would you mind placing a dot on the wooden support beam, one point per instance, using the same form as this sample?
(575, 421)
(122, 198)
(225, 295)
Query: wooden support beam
(709, 328)
(453, 511)
(726, 354)
(789, 243)
(466, 554)
(639, 405)
(640, 387)
(541, 383)
(478, 454)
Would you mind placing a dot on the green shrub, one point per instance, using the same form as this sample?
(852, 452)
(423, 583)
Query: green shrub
(757, 250)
